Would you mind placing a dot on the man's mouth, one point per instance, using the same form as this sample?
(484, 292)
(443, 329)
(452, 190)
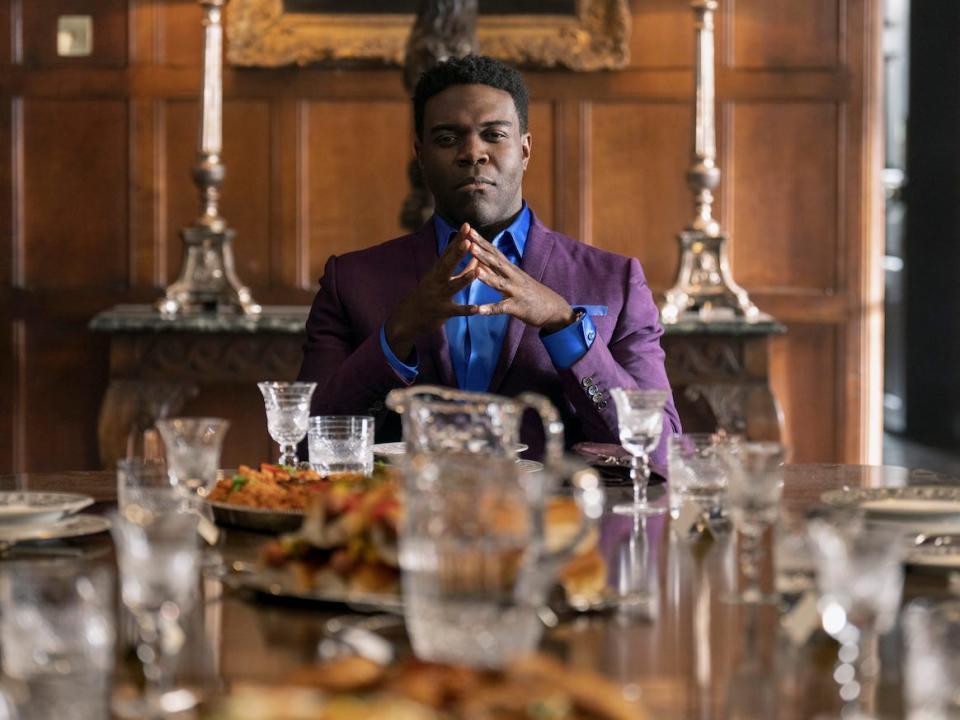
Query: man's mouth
(474, 183)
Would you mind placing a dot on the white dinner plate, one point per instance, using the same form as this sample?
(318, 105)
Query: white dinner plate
(910, 503)
(400, 448)
(38, 508)
(73, 526)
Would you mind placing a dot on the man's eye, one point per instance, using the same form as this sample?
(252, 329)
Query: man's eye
(495, 136)
(445, 139)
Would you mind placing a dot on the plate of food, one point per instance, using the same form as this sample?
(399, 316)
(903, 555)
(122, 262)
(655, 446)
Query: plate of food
(37, 508)
(355, 687)
(345, 549)
(273, 498)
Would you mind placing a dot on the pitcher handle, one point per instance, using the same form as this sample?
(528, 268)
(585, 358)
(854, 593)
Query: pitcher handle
(552, 425)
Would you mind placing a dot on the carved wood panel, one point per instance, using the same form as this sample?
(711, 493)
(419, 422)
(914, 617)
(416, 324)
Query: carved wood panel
(784, 183)
(639, 200)
(804, 376)
(74, 193)
(785, 33)
(354, 203)
(39, 32)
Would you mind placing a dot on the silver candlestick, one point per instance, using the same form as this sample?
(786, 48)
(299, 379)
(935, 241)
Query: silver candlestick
(208, 280)
(704, 281)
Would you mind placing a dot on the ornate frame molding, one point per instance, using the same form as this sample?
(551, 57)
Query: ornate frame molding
(261, 34)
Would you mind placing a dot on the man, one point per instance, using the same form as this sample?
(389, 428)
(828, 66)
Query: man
(484, 297)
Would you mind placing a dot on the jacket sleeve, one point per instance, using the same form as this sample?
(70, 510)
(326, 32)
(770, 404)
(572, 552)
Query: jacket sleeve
(632, 358)
(352, 373)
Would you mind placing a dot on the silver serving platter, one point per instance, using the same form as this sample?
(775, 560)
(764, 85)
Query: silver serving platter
(257, 519)
(910, 502)
(397, 449)
(279, 583)
(32, 508)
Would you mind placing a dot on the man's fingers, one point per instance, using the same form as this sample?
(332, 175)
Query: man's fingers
(497, 308)
(455, 309)
(491, 278)
(460, 281)
(456, 249)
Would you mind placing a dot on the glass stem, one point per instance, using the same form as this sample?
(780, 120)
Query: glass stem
(860, 692)
(749, 564)
(288, 454)
(640, 476)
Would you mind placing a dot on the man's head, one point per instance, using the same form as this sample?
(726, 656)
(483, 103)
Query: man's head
(472, 142)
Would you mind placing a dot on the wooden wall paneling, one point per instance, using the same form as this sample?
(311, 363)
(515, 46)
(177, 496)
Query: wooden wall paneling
(75, 193)
(109, 33)
(804, 367)
(662, 34)
(571, 177)
(861, 222)
(148, 232)
(145, 32)
(180, 33)
(785, 184)
(8, 359)
(538, 181)
(785, 33)
(290, 258)
(640, 152)
(6, 31)
(355, 203)
(65, 373)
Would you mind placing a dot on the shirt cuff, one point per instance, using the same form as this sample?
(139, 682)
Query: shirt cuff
(407, 372)
(568, 345)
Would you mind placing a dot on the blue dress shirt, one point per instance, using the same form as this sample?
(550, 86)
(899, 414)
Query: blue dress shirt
(476, 340)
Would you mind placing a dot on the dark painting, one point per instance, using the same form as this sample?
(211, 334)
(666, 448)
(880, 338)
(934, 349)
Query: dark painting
(382, 7)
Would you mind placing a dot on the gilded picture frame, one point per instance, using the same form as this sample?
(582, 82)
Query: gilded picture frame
(261, 33)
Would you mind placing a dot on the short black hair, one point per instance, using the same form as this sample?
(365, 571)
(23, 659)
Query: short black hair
(470, 70)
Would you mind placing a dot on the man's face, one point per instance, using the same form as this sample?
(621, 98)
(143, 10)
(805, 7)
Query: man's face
(473, 154)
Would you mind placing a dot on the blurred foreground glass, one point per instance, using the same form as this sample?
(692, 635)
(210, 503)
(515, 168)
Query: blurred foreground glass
(472, 550)
(159, 561)
(193, 448)
(640, 418)
(754, 488)
(635, 572)
(288, 409)
(860, 579)
(341, 443)
(440, 420)
(698, 471)
(57, 633)
(931, 633)
(138, 479)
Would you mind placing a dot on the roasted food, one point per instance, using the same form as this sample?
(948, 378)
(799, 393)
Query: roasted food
(532, 688)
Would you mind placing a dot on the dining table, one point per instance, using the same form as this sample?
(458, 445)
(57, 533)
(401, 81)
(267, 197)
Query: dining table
(686, 651)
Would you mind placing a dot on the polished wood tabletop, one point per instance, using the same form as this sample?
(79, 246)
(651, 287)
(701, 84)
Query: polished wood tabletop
(685, 652)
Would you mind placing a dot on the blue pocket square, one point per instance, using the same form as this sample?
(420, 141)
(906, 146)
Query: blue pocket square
(593, 310)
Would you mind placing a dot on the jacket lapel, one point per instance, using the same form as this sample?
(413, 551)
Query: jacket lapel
(536, 253)
(435, 345)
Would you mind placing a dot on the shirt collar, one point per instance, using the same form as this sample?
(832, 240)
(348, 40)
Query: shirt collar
(517, 231)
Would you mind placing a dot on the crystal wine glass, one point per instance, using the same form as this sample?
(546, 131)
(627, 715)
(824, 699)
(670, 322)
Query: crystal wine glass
(755, 485)
(288, 415)
(640, 416)
(860, 578)
(193, 448)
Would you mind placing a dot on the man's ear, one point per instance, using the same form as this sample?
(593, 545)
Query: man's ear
(526, 145)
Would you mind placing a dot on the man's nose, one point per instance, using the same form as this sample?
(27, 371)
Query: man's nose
(473, 151)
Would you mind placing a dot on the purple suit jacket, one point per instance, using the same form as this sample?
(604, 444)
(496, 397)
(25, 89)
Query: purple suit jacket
(360, 289)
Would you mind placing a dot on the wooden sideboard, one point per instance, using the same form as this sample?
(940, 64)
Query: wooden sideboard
(209, 364)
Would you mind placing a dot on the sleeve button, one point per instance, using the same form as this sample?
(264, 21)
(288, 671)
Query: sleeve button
(587, 382)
